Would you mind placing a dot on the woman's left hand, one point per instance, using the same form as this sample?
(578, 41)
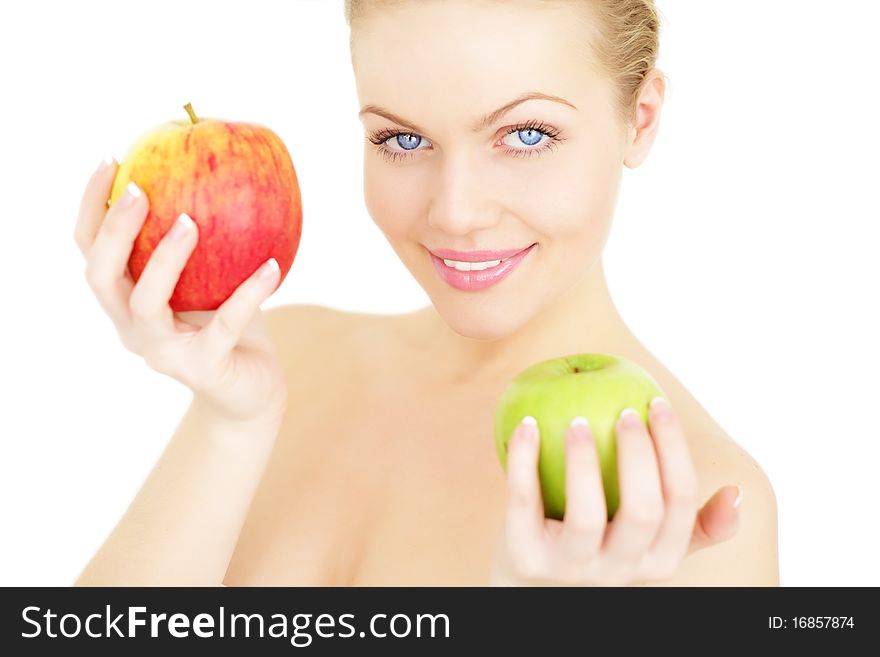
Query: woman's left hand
(655, 526)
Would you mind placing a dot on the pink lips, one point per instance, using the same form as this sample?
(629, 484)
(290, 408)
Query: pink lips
(473, 281)
(474, 256)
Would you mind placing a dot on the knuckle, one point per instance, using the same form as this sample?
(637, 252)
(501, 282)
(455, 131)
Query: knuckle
(642, 515)
(139, 307)
(163, 258)
(112, 224)
(582, 524)
(521, 498)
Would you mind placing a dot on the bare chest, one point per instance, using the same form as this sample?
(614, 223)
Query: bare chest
(392, 487)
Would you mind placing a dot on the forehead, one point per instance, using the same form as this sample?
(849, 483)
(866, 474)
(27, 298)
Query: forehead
(469, 56)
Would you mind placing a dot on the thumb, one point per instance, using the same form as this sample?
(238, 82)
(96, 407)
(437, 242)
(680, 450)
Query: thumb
(717, 520)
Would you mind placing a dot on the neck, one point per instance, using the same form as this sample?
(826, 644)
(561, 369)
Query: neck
(582, 319)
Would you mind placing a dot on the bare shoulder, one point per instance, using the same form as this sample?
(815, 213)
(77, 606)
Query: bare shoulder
(750, 557)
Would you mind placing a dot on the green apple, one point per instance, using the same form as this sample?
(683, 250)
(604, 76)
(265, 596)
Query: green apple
(554, 391)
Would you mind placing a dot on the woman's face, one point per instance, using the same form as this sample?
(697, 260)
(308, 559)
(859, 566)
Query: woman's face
(545, 173)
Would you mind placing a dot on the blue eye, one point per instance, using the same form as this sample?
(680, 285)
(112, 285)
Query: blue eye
(531, 137)
(408, 141)
(530, 133)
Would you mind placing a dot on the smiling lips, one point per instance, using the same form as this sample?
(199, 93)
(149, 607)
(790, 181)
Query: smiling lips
(475, 256)
(471, 271)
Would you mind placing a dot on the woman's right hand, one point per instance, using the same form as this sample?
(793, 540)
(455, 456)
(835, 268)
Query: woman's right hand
(226, 356)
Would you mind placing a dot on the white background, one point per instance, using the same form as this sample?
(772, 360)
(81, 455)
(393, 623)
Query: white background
(744, 251)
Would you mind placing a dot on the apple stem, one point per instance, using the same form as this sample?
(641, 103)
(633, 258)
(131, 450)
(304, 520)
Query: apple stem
(192, 115)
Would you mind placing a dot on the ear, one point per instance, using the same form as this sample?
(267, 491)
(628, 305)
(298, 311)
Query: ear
(647, 120)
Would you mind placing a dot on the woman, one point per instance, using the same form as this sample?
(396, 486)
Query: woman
(331, 448)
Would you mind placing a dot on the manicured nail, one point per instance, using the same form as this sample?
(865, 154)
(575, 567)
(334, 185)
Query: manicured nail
(659, 402)
(269, 268)
(660, 406)
(132, 192)
(106, 162)
(579, 426)
(529, 428)
(739, 498)
(181, 227)
(629, 416)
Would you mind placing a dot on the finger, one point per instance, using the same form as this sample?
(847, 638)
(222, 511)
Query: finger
(149, 302)
(585, 517)
(717, 520)
(640, 513)
(93, 205)
(107, 262)
(229, 322)
(679, 483)
(525, 510)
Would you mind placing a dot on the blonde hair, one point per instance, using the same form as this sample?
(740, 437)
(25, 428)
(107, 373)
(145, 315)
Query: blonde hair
(626, 44)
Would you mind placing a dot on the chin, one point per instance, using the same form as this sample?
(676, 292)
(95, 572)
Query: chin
(475, 319)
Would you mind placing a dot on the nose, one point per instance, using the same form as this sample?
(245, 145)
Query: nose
(461, 204)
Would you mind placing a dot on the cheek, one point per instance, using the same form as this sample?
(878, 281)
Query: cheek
(390, 202)
(575, 199)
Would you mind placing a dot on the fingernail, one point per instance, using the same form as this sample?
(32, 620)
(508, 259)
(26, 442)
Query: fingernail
(106, 162)
(132, 192)
(529, 428)
(660, 406)
(579, 426)
(181, 227)
(629, 416)
(739, 498)
(269, 268)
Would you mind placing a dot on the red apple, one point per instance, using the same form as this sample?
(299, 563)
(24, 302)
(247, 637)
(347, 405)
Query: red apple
(237, 182)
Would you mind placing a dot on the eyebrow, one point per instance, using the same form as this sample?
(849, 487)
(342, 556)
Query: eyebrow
(484, 122)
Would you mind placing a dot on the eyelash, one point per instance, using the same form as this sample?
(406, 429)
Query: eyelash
(380, 137)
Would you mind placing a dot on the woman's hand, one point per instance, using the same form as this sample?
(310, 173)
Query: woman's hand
(225, 356)
(653, 529)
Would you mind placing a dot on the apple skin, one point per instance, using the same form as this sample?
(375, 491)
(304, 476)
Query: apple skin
(596, 386)
(238, 184)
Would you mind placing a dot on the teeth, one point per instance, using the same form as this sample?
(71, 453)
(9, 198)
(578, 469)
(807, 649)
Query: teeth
(471, 266)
